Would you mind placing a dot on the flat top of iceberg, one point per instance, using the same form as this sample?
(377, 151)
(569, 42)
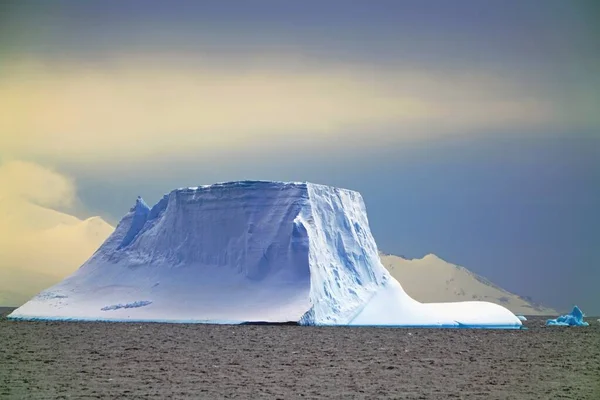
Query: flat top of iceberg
(258, 184)
(243, 183)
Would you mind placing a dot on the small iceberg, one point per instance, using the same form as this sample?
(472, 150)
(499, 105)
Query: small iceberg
(522, 317)
(575, 318)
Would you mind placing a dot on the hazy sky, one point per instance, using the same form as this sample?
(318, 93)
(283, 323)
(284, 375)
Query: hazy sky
(471, 128)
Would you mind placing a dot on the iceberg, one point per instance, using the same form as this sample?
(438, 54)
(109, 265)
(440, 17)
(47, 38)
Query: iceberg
(248, 251)
(575, 318)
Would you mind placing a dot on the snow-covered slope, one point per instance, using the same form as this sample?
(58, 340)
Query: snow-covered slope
(431, 279)
(248, 251)
(30, 216)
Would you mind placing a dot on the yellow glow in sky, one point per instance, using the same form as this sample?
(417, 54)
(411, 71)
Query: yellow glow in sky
(139, 109)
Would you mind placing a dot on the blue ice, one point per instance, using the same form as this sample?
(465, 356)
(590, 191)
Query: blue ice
(575, 318)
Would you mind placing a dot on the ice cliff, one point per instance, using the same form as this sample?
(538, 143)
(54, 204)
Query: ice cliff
(248, 251)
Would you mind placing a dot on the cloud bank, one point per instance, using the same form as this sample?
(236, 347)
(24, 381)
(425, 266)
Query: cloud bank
(130, 110)
(33, 183)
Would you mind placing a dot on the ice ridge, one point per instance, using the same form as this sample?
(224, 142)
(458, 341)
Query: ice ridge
(140, 213)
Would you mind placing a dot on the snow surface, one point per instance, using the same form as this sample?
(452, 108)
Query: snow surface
(248, 251)
(575, 318)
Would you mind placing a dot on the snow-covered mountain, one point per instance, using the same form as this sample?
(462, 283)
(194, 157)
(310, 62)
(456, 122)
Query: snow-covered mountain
(431, 279)
(244, 252)
(40, 246)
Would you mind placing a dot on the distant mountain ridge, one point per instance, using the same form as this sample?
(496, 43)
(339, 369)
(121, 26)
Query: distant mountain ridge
(431, 279)
(47, 246)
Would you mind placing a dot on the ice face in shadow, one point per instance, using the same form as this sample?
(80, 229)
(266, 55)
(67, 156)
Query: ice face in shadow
(246, 252)
(575, 318)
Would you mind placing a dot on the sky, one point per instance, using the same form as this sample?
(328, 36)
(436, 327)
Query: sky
(471, 128)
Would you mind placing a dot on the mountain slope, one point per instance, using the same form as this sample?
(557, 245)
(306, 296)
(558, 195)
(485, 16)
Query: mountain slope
(431, 279)
(40, 246)
(29, 216)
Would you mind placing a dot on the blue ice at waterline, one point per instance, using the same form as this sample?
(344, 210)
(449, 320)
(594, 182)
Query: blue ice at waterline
(249, 251)
(575, 318)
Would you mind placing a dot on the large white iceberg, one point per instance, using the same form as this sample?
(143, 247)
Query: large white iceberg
(248, 251)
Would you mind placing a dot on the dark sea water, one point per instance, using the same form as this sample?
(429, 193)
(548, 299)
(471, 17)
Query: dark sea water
(51, 360)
